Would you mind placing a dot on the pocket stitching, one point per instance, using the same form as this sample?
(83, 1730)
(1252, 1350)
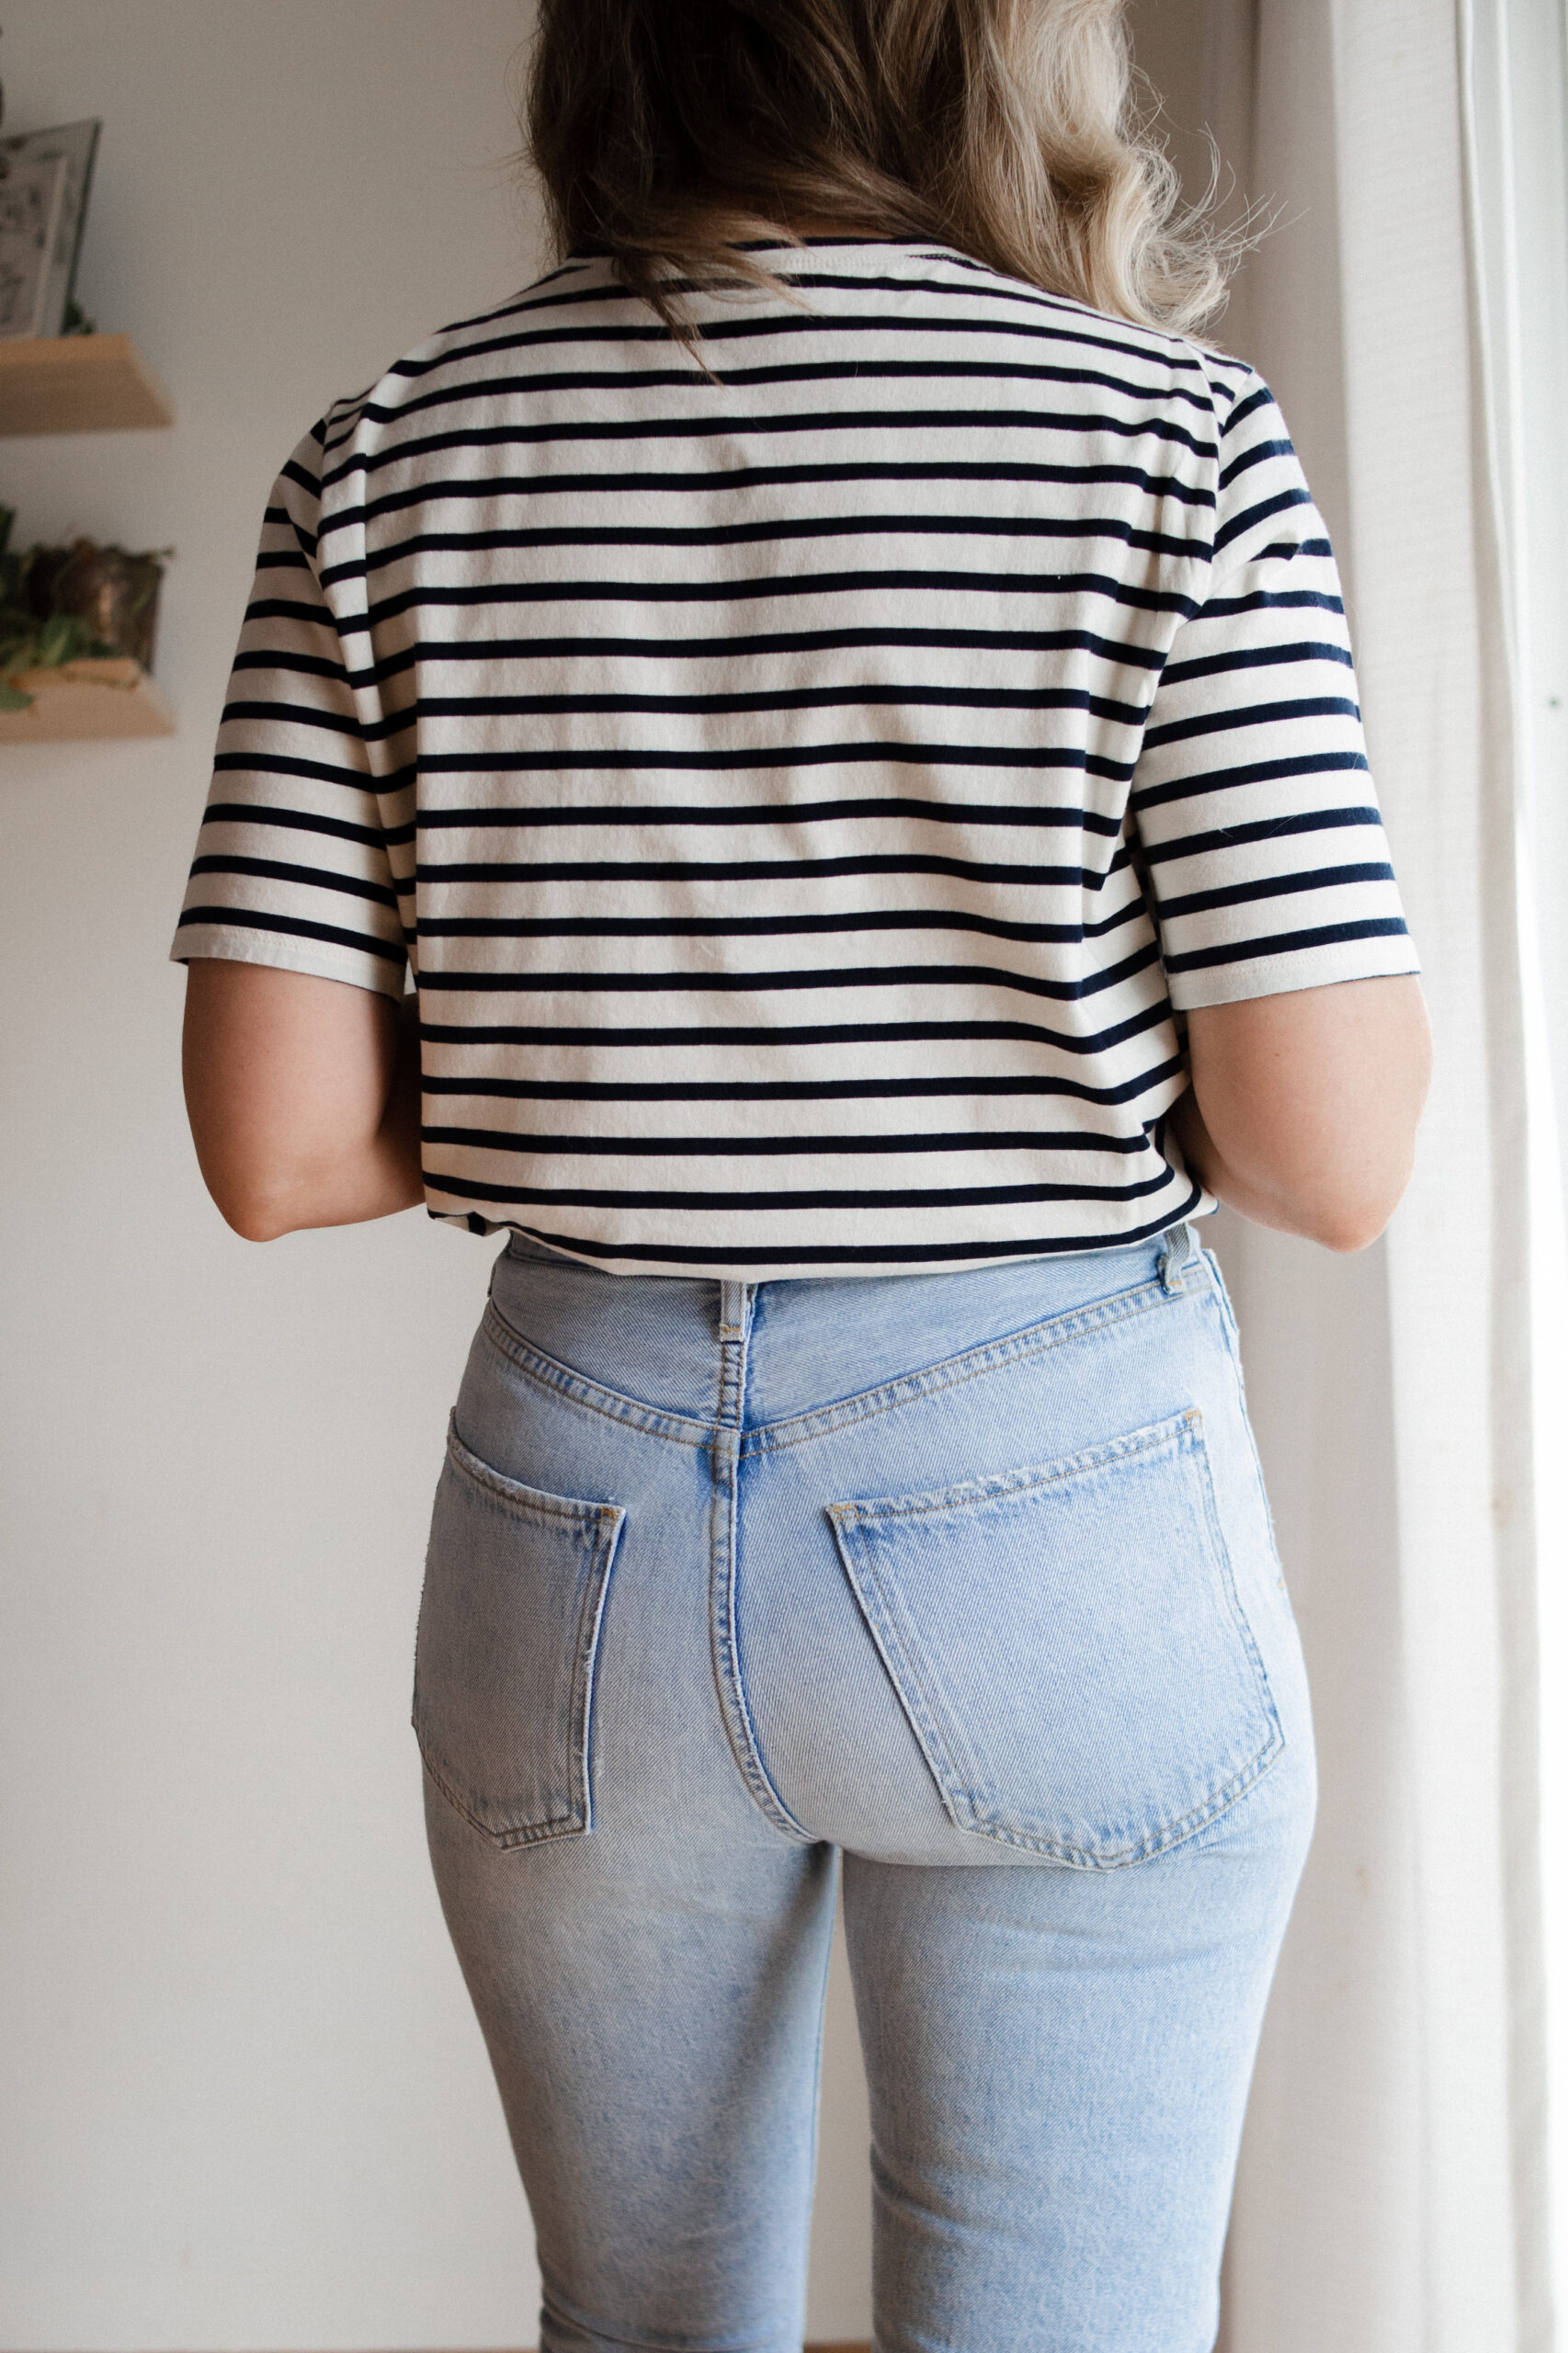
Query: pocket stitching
(890, 1645)
(850, 1518)
(603, 1524)
(1002, 1486)
(524, 1501)
(532, 1834)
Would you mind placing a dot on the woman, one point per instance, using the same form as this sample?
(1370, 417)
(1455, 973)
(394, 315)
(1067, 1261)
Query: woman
(845, 707)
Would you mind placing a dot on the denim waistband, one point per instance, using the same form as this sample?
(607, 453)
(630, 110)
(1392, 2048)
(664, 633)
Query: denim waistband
(660, 1338)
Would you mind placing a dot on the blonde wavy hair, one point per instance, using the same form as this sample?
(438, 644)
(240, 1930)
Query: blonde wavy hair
(668, 132)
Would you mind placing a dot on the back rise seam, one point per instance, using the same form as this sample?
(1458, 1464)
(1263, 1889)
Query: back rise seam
(736, 1309)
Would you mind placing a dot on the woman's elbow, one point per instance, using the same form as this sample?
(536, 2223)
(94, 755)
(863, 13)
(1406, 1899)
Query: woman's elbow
(255, 1212)
(1346, 1229)
(254, 1184)
(256, 1224)
(1308, 1103)
(1352, 1208)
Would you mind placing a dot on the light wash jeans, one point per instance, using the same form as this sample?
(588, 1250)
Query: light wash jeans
(969, 1580)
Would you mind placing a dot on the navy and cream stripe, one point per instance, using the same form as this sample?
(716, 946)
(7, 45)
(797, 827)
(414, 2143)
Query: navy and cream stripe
(807, 800)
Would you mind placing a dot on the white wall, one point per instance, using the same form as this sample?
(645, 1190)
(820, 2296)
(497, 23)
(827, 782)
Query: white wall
(243, 2102)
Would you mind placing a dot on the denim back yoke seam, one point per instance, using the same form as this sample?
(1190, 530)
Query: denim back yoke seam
(547, 1372)
(796, 1429)
(971, 1364)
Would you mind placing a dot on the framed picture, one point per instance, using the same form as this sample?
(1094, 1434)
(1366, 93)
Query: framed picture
(45, 177)
(29, 217)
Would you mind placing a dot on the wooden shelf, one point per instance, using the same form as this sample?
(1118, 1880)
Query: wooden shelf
(84, 700)
(77, 383)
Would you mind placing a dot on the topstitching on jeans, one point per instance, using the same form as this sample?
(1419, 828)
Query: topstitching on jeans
(949, 1372)
(739, 1301)
(533, 1363)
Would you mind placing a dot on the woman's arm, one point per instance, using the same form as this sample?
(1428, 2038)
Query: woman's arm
(304, 1098)
(1303, 1107)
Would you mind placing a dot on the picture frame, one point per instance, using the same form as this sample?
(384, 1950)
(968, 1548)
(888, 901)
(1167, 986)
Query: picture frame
(30, 197)
(46, 177)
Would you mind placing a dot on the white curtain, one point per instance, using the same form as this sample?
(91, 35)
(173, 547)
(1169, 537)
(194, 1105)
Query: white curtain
(1394, 2193)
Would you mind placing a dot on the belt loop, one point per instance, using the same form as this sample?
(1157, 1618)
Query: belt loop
(735, 1301)
(1181, 1249)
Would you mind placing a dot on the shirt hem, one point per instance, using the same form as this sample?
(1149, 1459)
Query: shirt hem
(827, 1262)
(1281, 975)
(222, 944)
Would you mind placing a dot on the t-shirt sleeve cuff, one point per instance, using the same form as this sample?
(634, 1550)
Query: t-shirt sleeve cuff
(321, 959)
(1314, 968)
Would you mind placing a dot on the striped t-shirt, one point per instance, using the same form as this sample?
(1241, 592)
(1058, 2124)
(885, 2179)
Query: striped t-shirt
(808, 799)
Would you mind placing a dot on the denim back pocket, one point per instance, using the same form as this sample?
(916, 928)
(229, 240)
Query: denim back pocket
(515, 1587)
(1069, 1647)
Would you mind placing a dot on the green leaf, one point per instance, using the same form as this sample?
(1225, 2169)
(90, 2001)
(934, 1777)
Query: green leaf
(56, 641)
(12, 698)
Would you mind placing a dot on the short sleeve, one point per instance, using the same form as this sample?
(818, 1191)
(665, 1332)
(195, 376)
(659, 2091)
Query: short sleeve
(1257, 823)
(291, 865)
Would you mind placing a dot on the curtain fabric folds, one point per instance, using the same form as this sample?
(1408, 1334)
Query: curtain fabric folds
(1393, 2192)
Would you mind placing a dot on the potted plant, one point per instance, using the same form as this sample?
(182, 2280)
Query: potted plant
(65, 605)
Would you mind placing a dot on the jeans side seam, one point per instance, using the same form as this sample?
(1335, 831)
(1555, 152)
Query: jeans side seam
(1233, 1337)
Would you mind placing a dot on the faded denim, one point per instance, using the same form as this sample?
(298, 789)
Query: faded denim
(969, 1581)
